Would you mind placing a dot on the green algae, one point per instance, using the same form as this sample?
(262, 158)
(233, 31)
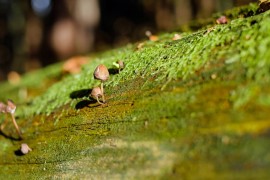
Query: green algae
(179, 109)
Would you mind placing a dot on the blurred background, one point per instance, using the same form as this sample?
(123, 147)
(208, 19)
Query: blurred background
(36, 33)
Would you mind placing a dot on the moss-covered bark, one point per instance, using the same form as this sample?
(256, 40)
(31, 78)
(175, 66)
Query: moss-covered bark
(194, 108)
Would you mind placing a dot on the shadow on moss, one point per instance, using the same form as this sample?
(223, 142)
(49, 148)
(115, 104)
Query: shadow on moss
(9, 137)
(113, 71)
(85, 103)
(80, 93)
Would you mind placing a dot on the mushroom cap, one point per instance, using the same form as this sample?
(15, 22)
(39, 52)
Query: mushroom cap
(222, 20)
(96, 92)
(25, 148)
(11, 107)
(101, 73)
(3, 107)
(148, 33)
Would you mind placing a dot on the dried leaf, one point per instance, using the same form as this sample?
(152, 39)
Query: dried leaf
(74, 64)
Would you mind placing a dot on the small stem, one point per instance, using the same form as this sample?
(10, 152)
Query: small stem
(99, 101)
(101, 87)
(102, 91)
(16, 125)
(103, 98)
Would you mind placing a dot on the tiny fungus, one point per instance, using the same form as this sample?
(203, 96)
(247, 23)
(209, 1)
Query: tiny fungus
(151, 36)
(222, 20)
(119, 65)
(10, 108)
(96, 93)
(25, 148)
(101, 73)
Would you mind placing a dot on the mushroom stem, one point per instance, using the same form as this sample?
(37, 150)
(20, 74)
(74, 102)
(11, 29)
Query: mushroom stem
(16, 125)
(102, 91)
(103, 98)
(101, 87)
(99, 101)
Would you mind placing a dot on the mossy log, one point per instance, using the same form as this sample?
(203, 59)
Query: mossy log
(193, 108)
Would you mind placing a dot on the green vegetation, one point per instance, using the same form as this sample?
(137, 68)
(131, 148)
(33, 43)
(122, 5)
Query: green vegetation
(194, 108)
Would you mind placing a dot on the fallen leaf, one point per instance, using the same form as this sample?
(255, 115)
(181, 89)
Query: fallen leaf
(176, 37)
(74, 64)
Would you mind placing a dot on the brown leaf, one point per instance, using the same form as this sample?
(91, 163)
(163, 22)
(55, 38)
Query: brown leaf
(74, 64)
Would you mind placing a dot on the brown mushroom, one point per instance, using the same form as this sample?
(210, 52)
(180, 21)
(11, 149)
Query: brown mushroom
(10, 108)
(96, 93)
(222, 20)
(120, 65)
(151, 36)
(25, 148)
(101, 73)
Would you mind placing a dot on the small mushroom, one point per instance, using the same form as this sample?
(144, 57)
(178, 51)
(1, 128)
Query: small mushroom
(25, 149)
(96, 93)
(101, 73)
(119, 65)
(151, 36)
(10, 108)
(222, 20)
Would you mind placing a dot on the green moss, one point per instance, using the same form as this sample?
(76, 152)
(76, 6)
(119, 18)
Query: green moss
(241, 40)
(195, 108)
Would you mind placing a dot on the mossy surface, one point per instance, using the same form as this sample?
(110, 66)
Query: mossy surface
(194, 108)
